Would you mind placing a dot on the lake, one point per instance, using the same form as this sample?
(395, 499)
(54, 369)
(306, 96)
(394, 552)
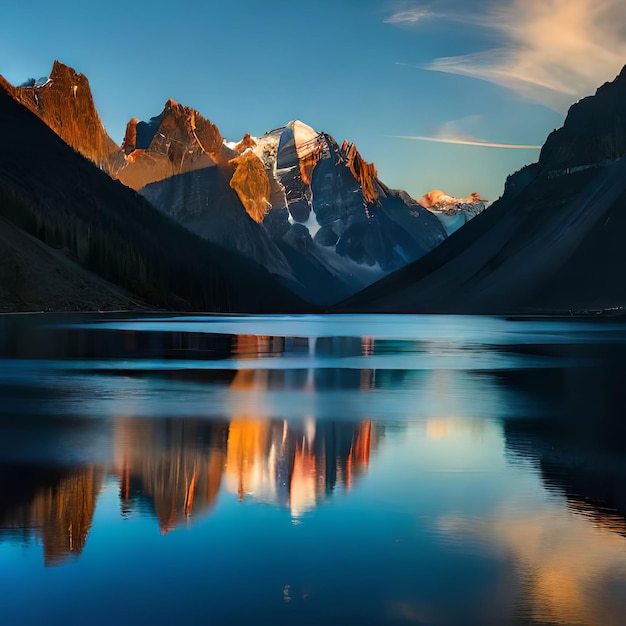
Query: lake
(442, 470)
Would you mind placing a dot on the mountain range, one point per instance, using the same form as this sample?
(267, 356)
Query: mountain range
(310, 211)
(178, 217)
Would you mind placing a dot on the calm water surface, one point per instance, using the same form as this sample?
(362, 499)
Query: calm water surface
(312, 470)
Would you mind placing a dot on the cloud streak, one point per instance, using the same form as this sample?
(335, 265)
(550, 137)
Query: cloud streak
(469, 142)
(553, 51)
(408, 16)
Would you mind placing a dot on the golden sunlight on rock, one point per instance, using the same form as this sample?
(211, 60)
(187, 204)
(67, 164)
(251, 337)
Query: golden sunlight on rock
(252, 185)
(66, 105)
(364, 172)
(245, 143)
(177, 141)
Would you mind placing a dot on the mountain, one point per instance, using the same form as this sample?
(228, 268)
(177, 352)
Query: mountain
(310, 211)
(67, 225)
(179, 162)
(453, 212)
(552, 244)
(336, 207)
(64, 102)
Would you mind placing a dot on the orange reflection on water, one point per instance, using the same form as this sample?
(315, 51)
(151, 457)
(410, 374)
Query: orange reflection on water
(295, 466)
(566, 562)
(60, 513)
(255, 346)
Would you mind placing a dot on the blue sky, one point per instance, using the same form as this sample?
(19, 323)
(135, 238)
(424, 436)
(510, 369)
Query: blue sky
(382, 74)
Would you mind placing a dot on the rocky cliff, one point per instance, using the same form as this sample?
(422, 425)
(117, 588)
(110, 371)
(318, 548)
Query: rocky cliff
(64, 102)
(176, 141)
(594, 131)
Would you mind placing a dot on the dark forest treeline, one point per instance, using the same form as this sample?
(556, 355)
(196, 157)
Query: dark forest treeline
(54, 194)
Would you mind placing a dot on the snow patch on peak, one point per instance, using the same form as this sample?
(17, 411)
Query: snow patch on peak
(302, 132)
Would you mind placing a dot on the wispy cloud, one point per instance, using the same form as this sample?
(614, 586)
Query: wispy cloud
(459, 132)
(553, 51)
(469, 142)
(408, 16)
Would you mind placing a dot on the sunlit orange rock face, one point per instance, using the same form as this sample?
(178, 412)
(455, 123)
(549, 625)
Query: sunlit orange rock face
(252, 185)
(309, 154)
(245, 143)
(130, 137)
(364, 172)
(439, 199)
(65, 104)
(179, 140)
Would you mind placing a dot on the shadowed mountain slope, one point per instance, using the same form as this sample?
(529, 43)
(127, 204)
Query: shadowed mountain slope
(56, 196)
(552, 244)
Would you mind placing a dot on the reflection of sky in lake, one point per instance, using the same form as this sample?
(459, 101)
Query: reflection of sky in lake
(356, 491)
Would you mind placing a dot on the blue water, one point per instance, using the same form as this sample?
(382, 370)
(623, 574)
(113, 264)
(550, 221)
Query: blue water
(312, 470)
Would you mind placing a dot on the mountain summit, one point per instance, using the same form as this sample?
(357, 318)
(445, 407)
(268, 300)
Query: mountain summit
(64, 102)
(176, 141)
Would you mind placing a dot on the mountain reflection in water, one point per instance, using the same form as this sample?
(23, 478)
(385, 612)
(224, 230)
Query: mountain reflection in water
(173, 469)
(320, 477)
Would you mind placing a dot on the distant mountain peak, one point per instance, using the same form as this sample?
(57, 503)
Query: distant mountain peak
(453, 212)
(303, 129)
(440, 200)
